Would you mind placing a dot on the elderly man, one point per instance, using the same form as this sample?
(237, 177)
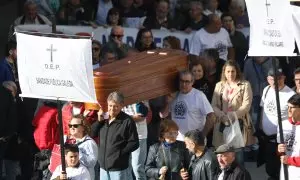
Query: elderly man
(162, 20)
(213, 36)
(197, 19)
(115, 44)
(190, 108)
(118, 139)
(230, 170)
(269, 121)
(203, 164)
(30, 17)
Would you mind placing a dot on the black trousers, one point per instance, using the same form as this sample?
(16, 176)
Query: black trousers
(272, 161)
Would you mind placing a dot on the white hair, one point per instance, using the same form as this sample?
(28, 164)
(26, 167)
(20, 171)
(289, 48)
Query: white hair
(240, 3)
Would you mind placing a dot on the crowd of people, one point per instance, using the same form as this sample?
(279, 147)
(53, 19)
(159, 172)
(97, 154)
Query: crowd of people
(183, 135)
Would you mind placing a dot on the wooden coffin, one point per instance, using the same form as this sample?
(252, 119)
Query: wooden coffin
(141, 76)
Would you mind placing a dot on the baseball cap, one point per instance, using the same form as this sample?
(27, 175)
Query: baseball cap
(224, 148)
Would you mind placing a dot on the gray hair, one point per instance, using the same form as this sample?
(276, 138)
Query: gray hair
(196, 3)
(116, 96)
(186, 72)
(28, 3)
(8, 84)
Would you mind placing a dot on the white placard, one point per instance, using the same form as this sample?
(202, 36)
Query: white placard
(296, 24)
(270, 34)
(52, 68)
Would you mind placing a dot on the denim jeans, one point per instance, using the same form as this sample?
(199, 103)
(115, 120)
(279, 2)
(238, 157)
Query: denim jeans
(138, 158)
(115, 175)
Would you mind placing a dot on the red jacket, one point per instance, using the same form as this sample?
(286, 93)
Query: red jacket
(46, 132)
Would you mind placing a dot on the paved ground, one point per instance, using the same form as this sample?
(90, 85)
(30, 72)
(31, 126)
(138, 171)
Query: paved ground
(256, 173)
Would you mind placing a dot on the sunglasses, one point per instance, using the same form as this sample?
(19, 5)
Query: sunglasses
(74, 125)
(95, 49)
(117, 35)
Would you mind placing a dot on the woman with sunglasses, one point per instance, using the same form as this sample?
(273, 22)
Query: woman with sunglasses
(166, 158)
(79, 130)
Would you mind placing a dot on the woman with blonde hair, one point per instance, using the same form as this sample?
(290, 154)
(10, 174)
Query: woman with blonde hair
(167, 157)
(231, 102)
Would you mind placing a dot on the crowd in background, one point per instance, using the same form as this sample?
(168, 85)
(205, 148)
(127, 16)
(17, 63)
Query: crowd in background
(177, 136)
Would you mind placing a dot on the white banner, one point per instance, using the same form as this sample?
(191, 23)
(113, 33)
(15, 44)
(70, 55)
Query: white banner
(270, 31)
(52, 68)
(101, 34)
(296, 20)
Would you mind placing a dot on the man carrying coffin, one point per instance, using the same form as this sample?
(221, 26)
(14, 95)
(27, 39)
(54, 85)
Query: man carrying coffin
(190, 108)
(118, 139)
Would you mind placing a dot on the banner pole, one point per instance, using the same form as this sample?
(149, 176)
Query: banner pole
(61, 135)
(285, 170)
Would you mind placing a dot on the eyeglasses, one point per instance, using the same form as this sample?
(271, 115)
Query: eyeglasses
(117, 35)
(74, 125)
(95, 49)
(171, 133)
(185, 81)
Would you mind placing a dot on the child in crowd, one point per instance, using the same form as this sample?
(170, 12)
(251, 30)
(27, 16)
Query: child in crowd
(74, 170)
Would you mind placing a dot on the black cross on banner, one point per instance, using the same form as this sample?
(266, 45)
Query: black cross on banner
(267, 7)
(51, 52)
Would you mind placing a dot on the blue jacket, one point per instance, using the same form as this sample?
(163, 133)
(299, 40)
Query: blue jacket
(6, 73)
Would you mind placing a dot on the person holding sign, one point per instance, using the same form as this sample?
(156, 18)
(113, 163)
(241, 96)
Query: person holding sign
(74, 170)
(290, 148)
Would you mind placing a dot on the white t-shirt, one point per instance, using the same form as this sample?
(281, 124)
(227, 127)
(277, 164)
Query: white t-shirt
(268, 102)
(291, 135)
(103, 8)
(141, 126)
(80, 173)
(189, 111)
(203, 40)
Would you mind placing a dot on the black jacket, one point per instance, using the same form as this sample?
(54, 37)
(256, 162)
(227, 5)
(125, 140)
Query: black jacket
(117, 141)
(203, 167)
(177, 157)
(8, 117)
(234, 172)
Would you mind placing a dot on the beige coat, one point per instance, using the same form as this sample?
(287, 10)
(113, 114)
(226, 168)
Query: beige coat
(240, 103)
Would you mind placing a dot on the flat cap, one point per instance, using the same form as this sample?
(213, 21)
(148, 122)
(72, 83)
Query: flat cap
(224, 148)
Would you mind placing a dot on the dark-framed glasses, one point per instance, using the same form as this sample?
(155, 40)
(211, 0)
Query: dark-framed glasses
(74, 125)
